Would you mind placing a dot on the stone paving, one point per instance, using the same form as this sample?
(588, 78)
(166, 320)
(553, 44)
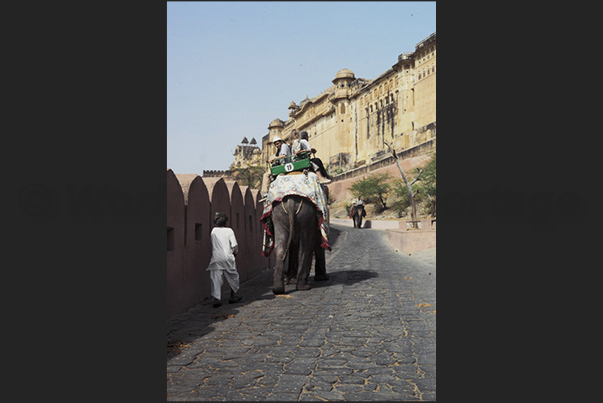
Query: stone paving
(368, 333)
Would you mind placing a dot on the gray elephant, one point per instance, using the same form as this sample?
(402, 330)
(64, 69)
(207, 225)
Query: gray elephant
(356, 214)
(296, 230)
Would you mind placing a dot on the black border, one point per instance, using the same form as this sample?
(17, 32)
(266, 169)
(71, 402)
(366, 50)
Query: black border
(86, 319)
(86, 88)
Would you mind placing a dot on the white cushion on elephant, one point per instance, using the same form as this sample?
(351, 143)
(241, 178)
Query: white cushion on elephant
(302, 185)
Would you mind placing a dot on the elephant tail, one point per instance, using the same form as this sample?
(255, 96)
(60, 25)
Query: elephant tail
(291, 214)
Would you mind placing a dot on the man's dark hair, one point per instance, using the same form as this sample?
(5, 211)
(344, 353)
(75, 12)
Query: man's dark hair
(303, 135)
(220, 219)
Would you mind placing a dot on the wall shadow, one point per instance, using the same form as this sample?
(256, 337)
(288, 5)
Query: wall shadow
(187, 327)
(349, 277)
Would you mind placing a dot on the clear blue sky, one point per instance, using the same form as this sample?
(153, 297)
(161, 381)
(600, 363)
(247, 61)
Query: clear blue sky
(233, 67)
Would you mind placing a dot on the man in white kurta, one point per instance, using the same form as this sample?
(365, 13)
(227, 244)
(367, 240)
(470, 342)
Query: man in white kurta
(224, 250)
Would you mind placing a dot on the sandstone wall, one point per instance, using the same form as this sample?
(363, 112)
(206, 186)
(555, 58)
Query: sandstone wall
(191, 203)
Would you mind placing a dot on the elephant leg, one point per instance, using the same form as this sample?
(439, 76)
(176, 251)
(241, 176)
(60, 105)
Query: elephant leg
(354, 220)
(278, 284)
(307, 247)
(281, 233)
(359, 220)
(292, 267)
(320, 271)
(305, 263)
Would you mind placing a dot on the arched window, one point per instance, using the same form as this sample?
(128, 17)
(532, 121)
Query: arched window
(342, 109)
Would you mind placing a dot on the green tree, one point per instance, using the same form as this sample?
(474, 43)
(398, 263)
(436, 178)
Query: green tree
(400, 191)
(427, 185)
(423, 187)
(250, 176)
(411, 194)
(373, 189)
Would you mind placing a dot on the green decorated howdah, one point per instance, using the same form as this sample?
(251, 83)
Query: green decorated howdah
(292, 163)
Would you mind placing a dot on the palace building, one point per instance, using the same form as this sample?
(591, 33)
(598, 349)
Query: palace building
(351, 120)
(247, 154)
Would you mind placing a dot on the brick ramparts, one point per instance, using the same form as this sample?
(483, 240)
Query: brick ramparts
(192, 201)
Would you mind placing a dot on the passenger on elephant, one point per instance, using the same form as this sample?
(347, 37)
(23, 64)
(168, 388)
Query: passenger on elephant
(358, 202)
(300, 143)
(224, 251)
(282, 150)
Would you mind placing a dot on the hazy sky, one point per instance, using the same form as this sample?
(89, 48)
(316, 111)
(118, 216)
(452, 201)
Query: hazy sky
(234, 67)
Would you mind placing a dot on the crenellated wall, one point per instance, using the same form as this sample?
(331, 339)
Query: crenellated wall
(192, 201)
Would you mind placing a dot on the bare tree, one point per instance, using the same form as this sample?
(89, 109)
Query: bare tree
(411, 195)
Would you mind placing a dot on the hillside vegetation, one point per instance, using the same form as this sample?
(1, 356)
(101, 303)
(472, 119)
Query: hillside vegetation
(386, 196)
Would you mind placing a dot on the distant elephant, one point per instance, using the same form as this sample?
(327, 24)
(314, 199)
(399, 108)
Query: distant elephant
(356, 214)
(296, 230)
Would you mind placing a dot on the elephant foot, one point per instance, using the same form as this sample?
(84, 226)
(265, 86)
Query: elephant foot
(321, 277)
(303, 287)
(292, 280)
(278, 290)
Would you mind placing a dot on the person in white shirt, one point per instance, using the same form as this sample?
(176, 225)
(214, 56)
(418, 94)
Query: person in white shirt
(282, 150)
(224, 250)
(301, 143)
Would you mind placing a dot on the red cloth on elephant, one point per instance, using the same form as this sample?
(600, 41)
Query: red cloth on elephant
(353, 212)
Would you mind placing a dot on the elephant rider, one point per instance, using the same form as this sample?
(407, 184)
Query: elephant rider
(282, 150)
(358, 202)
(300, 144)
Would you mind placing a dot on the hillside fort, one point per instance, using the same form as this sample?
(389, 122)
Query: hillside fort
(350, 121)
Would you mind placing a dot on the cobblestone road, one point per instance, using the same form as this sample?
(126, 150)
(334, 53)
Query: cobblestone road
(368, 333)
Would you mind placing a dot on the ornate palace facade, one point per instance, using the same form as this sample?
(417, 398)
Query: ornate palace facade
(351, 120)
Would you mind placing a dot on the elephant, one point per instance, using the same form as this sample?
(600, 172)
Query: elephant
(296, 231)
(356, 214)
